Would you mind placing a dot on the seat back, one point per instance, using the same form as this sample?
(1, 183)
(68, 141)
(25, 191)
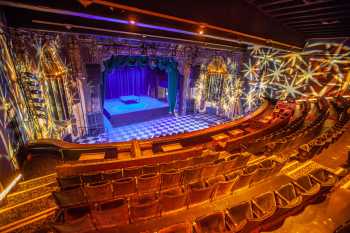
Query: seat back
(69, 198)
(111, 214)
(144, 210)
(164, 167)
(124, 186)
(112, 175)
(90, 178)
(304, 182)
(68, 182)
(147, 169)
(209, 170)
(198, 192)
(148, 183)
(264, 205)
(286, 197)
(191, 174)
(323, 177)
(132, 171)
(172, 199)
(170, 179)
(98, 192)
(211, 157)
(181, 164)
(244, 180)
(211, 223)
(239, 214)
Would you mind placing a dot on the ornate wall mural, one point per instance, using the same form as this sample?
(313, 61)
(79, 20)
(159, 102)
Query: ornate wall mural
(15, 122)
(221, 89)
(321, 69)
(50, 90)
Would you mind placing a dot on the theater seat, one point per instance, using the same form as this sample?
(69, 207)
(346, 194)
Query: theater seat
(90, 178)
(323, 177)
(265, 169)
(170, 179)
(209, 170)
(124, 186)
(113, 175)
(98, 192)
(263, 207)
(305, 187)
(212, 223)
(111, 214)
(246, 177)
(177, 228)
(191, 174)
(199, 192)
(69, 182)
(81, 225)
(223, 185)
(148, 183)
(132, 171)
(287, 198)
(70, 198)
(144, 207)
(173, 199)
(181, 164)
(239, 215)
(147, 169)
(164, 167)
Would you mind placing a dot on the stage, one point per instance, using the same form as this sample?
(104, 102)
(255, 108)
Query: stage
(122, 111)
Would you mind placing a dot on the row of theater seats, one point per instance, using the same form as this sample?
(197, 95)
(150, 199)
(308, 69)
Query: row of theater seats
(145, 198)
(265, 144)
(290, 128)
(247, 215)
(68, 182)
(315, 146)
(302, 134)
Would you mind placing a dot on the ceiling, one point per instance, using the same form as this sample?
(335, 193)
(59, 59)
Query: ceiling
(276, 23)
(312, 18)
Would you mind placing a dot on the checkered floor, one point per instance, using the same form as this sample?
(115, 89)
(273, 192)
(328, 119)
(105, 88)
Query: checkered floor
(155, 128)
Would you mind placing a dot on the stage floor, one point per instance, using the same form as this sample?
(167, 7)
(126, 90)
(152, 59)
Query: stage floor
(147, 108)
(164, 126)
(117, 107)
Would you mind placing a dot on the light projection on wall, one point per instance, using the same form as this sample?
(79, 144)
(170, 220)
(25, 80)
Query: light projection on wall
(219, 87)
(44, 77)
(15, 124)
(321, 69)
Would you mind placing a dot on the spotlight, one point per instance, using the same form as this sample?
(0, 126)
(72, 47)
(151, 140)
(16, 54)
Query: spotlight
(132, 21)
(201, 32)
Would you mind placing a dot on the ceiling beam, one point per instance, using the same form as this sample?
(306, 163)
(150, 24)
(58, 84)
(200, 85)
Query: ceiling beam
(308, 11)
(296, 6)
(272, 3)
(298, 22)
(322, 26)
(314, 15)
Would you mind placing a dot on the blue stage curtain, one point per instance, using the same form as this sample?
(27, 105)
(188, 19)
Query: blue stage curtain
(165, 64)
(127, 81)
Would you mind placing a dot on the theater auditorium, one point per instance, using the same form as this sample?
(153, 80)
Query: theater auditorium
(162, 116)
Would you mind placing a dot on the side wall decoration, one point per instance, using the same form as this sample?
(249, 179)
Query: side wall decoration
(322, 69)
